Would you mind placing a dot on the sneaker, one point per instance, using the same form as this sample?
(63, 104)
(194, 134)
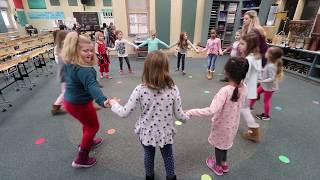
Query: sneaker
(183, 73)
(89, 163)
(177, 70)
(214, 167)
(225, 167)
(131, 72)
(121, 72)
(96, 142)
(263, 117)
(108, 77)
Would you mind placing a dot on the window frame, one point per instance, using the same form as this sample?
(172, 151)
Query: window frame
(138, 11)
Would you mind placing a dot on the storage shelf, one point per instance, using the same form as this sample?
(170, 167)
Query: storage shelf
(297, 61)
(314, 78)
(250, 8)
(294, 72)
(317, 66)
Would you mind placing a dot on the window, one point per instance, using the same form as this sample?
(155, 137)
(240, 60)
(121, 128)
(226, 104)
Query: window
(138, 16)
(90, 3)
(73, 2)
(55, 2)
(107, 2)
(5, 17)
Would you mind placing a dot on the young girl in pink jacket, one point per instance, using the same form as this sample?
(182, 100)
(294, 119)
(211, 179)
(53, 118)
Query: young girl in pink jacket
(225, 109)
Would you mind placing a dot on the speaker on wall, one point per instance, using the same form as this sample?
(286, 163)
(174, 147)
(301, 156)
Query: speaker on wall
(84, 1)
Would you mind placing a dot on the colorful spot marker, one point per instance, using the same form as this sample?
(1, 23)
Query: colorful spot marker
(111, 131)
(278, 108)
(119, 82)
(190, 77)
(178, 123)
(206, 92)
(40, 141)
(220, 74)
(206, 177)
(284, 159)
(315, 102)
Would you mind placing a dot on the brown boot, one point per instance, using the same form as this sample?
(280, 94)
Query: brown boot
(210, 75)
(56, 110)
(253, 134)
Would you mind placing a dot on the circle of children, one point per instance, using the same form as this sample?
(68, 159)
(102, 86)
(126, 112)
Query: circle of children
(251, 65)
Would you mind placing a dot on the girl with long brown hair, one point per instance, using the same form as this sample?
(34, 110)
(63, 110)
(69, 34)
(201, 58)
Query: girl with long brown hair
(183, 44)
(159, 100)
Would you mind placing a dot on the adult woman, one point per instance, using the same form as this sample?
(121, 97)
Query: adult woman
(251, 23)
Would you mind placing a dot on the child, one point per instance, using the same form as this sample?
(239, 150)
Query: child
(213, 48)
(159, 99)
(272, 73)
(250, 49)
(225, 109)
(81, 88)
(60, 36)
(120, 47)
(183, 48)
(233, 49)
(153, 43)
(104, 60)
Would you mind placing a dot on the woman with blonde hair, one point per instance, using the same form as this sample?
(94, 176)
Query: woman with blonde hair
(251, 23)
(82, 88)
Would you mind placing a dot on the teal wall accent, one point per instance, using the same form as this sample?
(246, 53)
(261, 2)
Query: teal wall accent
(37, 4)
(22, 19)
(163, 11)
(3, 27)
(205, 22)
(188, 21)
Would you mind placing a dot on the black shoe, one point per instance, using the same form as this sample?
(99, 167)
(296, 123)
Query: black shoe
(263, 117)
(224, 80)
(150, 177)
(172, 178)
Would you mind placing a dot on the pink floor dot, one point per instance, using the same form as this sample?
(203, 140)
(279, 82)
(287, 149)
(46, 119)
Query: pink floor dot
(40, 141)
(111, 131)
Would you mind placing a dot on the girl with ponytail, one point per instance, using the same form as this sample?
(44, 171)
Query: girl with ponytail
(225, 109)
(81, 89)
(272, 73)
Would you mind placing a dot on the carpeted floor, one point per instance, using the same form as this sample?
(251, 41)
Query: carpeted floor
(293, 131)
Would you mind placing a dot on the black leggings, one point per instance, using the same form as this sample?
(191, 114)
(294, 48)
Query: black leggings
(121, 62)
(221, 155)
(183, 56)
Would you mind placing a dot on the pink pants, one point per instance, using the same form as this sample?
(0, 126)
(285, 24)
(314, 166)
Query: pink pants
(267, 100)
(59, 100)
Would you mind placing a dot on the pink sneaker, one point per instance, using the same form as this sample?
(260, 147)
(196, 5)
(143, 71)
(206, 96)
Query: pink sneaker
(214, 167)
(225, 167)
(108, 77)
(121, 72)
(131, 72)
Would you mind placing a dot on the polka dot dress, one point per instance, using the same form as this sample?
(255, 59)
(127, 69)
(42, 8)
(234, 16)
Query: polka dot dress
(155, 126)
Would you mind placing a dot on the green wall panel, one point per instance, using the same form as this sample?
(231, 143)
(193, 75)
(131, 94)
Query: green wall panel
(22, 19)
(37, 4)
(73, 2)
(55, 2)
(189, 8)
(107, 2)
(163, 9)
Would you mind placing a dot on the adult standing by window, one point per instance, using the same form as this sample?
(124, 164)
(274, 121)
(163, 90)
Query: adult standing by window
(251, 23)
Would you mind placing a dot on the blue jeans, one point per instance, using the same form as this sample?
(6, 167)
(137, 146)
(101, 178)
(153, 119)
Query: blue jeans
(167, 155)
(211, 61)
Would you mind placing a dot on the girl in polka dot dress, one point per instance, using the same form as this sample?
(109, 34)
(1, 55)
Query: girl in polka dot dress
(225, 109)
(159, 100)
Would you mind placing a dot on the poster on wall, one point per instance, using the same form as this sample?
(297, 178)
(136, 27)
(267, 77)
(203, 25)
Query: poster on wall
(37, 4)
(106, 16)
(46, 15)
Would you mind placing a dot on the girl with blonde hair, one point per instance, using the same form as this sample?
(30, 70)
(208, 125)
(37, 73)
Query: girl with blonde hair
(82, 88)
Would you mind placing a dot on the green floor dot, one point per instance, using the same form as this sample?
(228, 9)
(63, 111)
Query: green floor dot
(190, 77)
(206, 177)
(284, 159)
(206, 92)
(178, 123)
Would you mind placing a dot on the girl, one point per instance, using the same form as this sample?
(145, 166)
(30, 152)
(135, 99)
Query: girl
(183, 48)
(272, 73)
(159, 100)
(104, 60)
(120, 47)
(81, 88)
(233, 49)
(153, 43)
(60, 36)
(213, 48)
(250, 49)
(225, 109)
(251, 23)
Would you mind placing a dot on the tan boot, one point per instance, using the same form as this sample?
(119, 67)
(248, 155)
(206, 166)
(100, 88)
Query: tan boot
(253, 134)
(210, 75)
(56, 110)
